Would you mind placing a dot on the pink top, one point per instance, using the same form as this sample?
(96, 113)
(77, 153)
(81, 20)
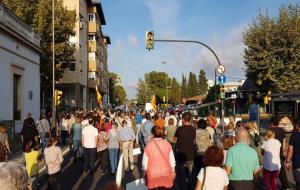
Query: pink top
(107, 127)
(159, 163)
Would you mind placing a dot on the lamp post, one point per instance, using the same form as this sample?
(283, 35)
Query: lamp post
(165, 63)
(53, 68)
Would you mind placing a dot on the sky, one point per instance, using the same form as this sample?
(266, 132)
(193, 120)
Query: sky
(217, 23)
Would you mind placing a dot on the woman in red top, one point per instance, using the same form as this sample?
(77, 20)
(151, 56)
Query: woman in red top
(159, 162)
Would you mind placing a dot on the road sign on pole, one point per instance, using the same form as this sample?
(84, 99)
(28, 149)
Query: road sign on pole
(221, 69)
(222, 79)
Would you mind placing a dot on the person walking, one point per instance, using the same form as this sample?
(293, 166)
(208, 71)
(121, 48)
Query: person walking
(43, 128)
(146, 130)
(170, 132)
(29, 132)
(76, 133)
(159, 162)
(280, 135)
(159, 122)
(32, 158)
(102, 149)
(53, 160)
(242, 163)
(127, 137)
(89, 143)
(212, 176)
(65, 129)
(139, 119)
(185, 140)
(293, 154)
(203, 141)
(271, 165)
(113, 148)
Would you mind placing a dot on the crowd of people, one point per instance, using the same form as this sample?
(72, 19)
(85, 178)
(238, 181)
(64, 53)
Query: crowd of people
(179, 150)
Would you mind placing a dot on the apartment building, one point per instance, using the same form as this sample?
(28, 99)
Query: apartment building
(89, 67)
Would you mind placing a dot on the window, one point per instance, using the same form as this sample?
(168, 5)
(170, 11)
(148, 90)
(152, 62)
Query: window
(92, 56)
(92, 75)
(92, 17)
(16, 97)
(72, 66)
(92, 37)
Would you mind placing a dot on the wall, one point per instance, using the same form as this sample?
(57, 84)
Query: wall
(18, 57)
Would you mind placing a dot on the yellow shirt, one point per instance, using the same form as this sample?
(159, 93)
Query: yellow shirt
(32, 163)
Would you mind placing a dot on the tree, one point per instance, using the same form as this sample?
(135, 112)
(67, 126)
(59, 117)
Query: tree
(175, 94)
(38, 14)
(272, 53)
(153, 83)
(141, 92)
(120, 94)
(184, 87)
(192, 87)
(202, 82)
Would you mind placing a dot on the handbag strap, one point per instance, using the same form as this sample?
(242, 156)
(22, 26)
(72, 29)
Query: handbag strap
(204, 177)
(42, 126)
(161, 152)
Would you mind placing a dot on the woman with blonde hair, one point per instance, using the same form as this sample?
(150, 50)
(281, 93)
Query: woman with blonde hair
(271, 166)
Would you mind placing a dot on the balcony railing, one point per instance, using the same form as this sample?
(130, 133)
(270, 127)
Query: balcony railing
(8, 19)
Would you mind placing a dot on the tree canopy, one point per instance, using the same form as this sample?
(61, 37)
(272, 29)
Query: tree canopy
(38, 14)
(202, 82)
(272, 53)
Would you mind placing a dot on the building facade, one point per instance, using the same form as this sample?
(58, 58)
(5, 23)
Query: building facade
(19, 69)
(89, 67)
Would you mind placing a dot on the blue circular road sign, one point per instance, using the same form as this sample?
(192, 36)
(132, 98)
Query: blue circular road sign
(222, 79)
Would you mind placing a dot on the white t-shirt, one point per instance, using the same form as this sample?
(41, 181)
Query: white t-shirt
(89, 134)
(216, 178)
(271, 154)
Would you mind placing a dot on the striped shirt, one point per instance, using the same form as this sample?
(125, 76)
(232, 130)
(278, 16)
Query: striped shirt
(126, 134)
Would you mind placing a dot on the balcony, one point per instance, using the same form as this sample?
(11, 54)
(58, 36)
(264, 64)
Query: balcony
(92, 66)
(92, 46)
(93, 27)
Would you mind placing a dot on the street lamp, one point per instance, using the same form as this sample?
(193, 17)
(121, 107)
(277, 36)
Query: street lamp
(53, 68)
(165, 63)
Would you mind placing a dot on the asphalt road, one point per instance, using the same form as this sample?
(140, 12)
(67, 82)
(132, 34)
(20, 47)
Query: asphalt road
(72, 177)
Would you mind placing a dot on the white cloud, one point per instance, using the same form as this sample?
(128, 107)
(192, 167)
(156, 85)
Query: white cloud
(164, 15)
(229, 48)
(117, 52)
(132, 40)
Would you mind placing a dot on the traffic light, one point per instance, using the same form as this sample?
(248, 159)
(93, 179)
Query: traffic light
(149, 40)
(222, 92)
(58, 95)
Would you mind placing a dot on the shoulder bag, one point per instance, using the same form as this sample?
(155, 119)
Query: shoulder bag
(47, 134)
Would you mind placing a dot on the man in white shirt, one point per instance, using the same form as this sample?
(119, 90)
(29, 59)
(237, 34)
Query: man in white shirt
(89, 143)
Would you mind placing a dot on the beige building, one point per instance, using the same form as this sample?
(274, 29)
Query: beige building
(89, 67)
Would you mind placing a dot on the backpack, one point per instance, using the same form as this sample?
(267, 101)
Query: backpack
(3, 152)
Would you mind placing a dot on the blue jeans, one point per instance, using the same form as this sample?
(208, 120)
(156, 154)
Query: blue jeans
(76, 145)
(44, 140)
(113, 156)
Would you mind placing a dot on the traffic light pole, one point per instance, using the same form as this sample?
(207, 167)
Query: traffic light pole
(217, 58)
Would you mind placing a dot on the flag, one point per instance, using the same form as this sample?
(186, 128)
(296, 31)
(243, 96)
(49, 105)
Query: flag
(153, 103)
(99, 97)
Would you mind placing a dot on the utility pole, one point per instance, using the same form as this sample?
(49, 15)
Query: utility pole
(53, 68)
